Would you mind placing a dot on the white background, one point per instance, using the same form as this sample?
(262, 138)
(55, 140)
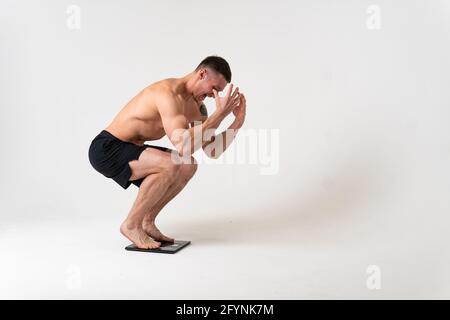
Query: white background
(364, 148)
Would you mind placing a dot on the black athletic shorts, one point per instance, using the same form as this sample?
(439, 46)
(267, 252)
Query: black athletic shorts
(110, 156)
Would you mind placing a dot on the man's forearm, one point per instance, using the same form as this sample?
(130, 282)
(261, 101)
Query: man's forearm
(194, 137)
(219, 143)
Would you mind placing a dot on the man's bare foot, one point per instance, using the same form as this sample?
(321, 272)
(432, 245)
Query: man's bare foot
(153, 231)
(139, 237)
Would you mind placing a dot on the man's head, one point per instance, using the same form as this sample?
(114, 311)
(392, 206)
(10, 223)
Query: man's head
(212, 73)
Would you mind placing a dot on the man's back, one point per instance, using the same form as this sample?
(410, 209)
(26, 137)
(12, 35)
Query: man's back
(140, 119)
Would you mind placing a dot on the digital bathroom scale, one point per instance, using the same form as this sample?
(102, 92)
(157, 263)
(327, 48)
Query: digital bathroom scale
(166, 247)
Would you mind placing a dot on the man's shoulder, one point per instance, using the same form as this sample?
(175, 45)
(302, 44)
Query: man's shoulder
(162, 87)
(161, 94)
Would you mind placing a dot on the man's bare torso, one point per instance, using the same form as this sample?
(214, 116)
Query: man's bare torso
(140, 121)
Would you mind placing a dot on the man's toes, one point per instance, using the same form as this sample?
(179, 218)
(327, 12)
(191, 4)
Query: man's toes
(154, 245)
(165, 238)
(141, 245)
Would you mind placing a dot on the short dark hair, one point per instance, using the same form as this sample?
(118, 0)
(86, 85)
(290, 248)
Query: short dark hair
(217, 64)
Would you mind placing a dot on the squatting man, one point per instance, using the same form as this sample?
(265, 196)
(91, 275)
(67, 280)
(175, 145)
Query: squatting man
(172, 107)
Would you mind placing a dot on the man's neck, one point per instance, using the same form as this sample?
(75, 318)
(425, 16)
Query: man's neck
(185, 87)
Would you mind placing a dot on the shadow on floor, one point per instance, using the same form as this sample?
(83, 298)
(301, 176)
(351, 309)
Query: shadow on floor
(330, 207)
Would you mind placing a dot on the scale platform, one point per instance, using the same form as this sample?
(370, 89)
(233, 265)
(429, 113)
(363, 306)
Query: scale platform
(166, 247)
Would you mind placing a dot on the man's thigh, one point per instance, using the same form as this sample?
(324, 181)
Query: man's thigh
(152, 160)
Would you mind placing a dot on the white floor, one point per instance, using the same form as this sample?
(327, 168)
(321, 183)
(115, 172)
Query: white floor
(291, 255)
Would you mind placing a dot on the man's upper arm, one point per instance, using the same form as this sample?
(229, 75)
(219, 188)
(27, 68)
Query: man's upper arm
(172, 117)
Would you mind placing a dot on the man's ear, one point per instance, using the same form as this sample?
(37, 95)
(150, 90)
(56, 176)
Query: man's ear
(205, 73)
(202, 73)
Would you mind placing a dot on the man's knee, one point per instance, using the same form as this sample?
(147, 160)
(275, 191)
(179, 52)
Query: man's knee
(180, 170)
(189, 169)
(172, 171)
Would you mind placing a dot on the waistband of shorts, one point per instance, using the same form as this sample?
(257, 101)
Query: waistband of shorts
(105, 133)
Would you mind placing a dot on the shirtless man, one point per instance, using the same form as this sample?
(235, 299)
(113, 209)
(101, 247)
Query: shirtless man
(168, 107)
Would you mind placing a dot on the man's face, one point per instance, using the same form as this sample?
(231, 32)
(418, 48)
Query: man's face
(207, 81)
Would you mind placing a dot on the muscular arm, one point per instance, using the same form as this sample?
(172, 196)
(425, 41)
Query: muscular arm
(219, 143)
(176, 126)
